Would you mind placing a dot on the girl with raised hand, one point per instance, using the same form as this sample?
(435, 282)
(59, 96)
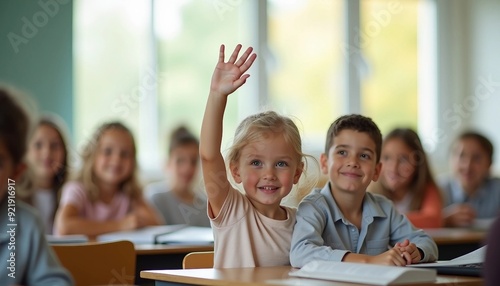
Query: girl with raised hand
(252, 228)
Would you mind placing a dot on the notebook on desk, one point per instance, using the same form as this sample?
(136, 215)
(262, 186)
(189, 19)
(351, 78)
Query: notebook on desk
(146, 235)
(470, 264)
(471, 269)
(66, 239)
(192, 235)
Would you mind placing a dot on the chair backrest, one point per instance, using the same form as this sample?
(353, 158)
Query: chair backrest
(101, 263)
(199, 259)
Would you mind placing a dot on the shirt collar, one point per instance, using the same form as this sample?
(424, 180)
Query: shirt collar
(371, 208)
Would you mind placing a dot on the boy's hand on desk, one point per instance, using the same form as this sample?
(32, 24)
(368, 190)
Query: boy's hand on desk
(390, 257)
(461, 215)
(409, 251)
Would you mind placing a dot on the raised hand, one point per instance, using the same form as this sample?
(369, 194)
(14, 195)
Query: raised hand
(229, 76)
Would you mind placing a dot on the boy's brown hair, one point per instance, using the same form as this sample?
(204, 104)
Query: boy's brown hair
(14, 124)
(484, 142)
(180, 137)
(357, 123)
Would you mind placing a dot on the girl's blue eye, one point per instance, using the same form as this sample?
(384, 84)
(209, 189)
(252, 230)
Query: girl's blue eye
(255, 163)
(282, 164)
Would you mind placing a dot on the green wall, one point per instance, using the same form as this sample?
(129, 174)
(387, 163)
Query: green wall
(36, 52)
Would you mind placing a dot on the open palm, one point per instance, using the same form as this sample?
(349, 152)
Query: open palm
(229, 76)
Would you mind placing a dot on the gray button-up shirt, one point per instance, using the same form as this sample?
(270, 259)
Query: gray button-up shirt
(323, 233)
(486, 201)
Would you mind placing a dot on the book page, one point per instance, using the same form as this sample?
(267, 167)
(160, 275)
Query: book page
(146, 235)
(476, 256)
(66, 239)
(189, 235)
(364, 273)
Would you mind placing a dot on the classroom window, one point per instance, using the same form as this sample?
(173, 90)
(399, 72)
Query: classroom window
(306, 64)
(149, 64)
(189, 34)
(388, 68)
(110, 50)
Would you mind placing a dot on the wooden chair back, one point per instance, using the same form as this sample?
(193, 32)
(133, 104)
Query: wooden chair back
(199, 259)
(100, 263)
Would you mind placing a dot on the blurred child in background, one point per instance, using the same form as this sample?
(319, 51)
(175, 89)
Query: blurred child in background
(176, 199)
(106, 195)
(27, 257)
(47, 159)
(470, 193)
(406, 179)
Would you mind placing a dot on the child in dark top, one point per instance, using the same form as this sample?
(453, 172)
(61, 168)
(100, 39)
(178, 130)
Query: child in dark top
(27, 257)
(342, 222)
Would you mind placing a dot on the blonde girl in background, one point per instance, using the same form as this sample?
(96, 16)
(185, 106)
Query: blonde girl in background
(106, 195)
(251, 229)
(47, 159)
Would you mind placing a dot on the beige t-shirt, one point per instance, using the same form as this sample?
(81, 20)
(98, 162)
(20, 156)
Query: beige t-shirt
(245, 238)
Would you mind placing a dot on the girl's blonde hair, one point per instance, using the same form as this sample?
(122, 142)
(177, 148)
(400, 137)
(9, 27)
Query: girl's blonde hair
(87, 177)
(261, 125)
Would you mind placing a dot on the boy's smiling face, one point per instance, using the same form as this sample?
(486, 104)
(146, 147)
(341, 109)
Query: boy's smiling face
(351, 162)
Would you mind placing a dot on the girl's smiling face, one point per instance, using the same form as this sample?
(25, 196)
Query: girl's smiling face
(398, 169)
(46, 152)
(268, 169)
(115, 158)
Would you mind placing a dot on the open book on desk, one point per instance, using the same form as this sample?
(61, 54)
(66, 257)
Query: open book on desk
(145, 235)
(364, 273)
(192, 235)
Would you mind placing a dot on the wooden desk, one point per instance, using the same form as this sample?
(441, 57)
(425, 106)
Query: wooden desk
(454, 242)
(265, 276)
(159, 256)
